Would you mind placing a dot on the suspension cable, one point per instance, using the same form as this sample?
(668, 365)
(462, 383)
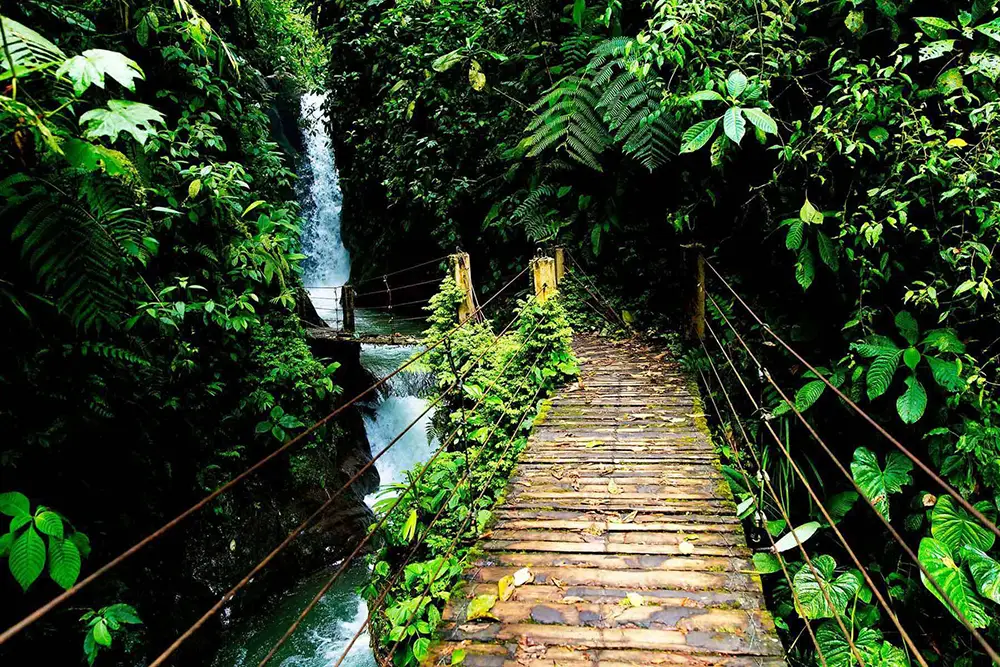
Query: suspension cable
(329, 583)
(599, 297)
(758, 503)
(409, 268)
(597, 310)
(138, 546)
(826, 515)
(899, 539)
(451, 547)
(854, 406)
(298, 530)
(821, 583)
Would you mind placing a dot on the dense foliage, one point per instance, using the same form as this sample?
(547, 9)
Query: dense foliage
(483, 428)
(147, 291)
(838, 162)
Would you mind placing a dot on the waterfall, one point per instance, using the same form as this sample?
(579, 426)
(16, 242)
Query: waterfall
(328, 264)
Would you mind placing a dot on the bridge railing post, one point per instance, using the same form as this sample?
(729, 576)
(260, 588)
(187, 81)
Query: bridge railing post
(559, 255)
(543, 271)
(462, 269)
(347, 307)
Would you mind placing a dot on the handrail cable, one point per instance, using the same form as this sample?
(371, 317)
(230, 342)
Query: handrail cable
(902, 543)
(451, 547)
(593, 307)
(826, 515)
(374, 292)
(302, 526)
(416, 543)
(821, 583)
(757, 503)
(404, 270)
(594, 285)
(878, 427)
(65, 595)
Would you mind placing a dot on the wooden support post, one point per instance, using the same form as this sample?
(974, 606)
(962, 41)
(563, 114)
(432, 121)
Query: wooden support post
(544, 271)
(696, 307)
(560, 257)
(347, 306)
(463, 278)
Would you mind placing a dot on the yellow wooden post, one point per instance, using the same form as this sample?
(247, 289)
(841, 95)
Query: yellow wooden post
(463, 279)
(544, 271)
(560, 257)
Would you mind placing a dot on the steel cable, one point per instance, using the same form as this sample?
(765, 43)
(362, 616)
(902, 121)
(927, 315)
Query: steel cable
(899, 539)
(138, 546)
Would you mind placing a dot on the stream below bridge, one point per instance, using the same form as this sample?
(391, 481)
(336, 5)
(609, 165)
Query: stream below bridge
(325, 633)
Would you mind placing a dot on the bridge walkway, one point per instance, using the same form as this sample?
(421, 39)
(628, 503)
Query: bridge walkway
(619, 516)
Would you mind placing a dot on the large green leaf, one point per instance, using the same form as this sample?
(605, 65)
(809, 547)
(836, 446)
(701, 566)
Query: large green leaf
(797, 536)
(956, 528)
(805, 267)
(912, 402)
(706, 96)
(839, 504)
(135, 118)
(877, 484)
(64, 562)
(985, 572)
(907, 326)
(944, 340)
(734, 124)
(828, 251)
(14, 504)
(736, 83)
(881, 372)
(809, 214)
(27, 49)
(793, 239)
(811, 585)
(92, 66)
(937, 559)
(874, 346)
(808, 394)
(991, 29)
(946, 373)
(49, 523)
(698, 135)
(760, 120)
(27, 557)
(837, 651)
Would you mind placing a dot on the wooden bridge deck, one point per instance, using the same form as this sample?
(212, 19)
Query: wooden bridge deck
(628, 531)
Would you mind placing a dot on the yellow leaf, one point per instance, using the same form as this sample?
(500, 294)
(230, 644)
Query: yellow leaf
(523, 576)
(633, 600)
(248, 208)
(591, 444)
(480, 607)
(476, 77)
(506, 588)
(194, 188)
(612, 487)
(685, 548)
(958, 143)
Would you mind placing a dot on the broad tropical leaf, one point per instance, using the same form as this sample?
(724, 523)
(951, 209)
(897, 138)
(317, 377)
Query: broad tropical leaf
(880, 373)
(64, 562)
(92, 66)
(946, 373)
(985, 572)
(805, 267)
(878, 484)
(698, 135)
(802, 533)
(907, 326)
(837, 651)
(956, 528)
(706, 96)
(135, 118)
(828, 251)
(808, 394)
(839, 504)
(760, 120)
(14, 503)
(912, 403)
(27, 557)
(736, 83)
(944, 340)
(809, 214)
(814, 587)
(734, 124)
(793, 239)
(49, 523)
(937, 559)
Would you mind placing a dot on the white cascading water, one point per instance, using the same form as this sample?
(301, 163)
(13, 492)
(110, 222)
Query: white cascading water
(325, 633)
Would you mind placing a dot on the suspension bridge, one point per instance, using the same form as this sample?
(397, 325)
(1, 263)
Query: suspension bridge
(618, 541)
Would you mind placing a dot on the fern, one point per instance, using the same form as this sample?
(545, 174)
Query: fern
(77, 248)
(533, 215)
(567, 118)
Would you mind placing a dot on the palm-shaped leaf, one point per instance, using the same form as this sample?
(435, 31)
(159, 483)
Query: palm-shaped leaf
(878, 484)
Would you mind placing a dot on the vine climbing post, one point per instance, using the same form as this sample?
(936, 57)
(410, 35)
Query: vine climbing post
(462, 269)
(543, 269)
(347, 307)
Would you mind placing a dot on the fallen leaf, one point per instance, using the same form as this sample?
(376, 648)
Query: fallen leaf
(613, 488)
(628, 518)
(558, 583)
(591, 444)
(523, 576)
(685, 547)
(506, 588)
(480, 607)
(633, 600)
(678, 420)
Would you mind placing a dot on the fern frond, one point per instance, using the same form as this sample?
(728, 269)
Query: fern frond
(566, 118)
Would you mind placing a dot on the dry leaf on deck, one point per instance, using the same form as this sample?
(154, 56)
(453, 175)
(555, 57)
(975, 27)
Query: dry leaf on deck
(633, 600)
(506, 588)
(523, 576)
(480, 607)
(613, 488)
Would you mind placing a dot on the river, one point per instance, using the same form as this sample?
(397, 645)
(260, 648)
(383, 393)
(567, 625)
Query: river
(325, 633)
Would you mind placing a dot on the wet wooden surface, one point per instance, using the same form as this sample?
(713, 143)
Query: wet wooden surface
(619, 492)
